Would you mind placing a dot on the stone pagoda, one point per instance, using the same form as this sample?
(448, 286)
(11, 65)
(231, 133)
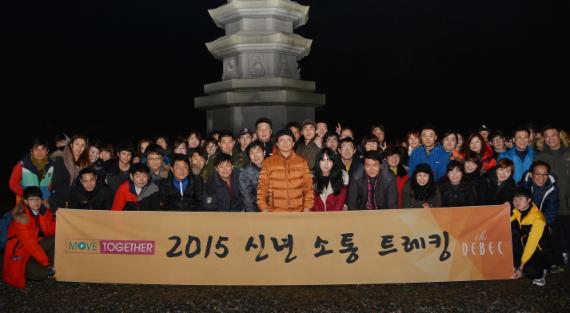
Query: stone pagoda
(261, 75)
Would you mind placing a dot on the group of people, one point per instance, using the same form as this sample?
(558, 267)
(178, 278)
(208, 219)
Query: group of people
(304, 167)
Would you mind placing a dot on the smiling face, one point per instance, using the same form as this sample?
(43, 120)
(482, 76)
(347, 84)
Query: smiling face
(422, 178)
(224, 169)
(371, 167)
(552, 139)
(285, 144)
(428, 138)
(539, 175)
(521, 140)
(503, 173)
(455, 176)
(256, 155)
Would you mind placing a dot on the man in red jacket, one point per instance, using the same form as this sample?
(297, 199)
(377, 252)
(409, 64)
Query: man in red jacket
(31, 241)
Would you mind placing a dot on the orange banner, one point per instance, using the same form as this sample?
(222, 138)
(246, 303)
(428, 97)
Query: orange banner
(358, 247)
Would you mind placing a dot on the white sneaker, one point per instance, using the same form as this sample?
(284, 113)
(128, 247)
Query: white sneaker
(540, 281)
(565, 257)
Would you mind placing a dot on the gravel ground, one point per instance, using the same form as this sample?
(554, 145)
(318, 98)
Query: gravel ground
(477, 296)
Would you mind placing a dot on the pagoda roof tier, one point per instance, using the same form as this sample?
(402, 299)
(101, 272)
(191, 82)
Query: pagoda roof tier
(240, 9)
(239, 42)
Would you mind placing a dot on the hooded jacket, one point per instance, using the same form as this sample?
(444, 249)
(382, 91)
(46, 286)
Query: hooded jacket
(24, 234)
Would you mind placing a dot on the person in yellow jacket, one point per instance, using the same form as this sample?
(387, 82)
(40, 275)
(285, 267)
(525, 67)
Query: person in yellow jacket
(529, 238)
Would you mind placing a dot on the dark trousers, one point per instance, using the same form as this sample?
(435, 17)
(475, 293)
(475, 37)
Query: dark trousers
(535, 266)
(560, 237)
(36, 271)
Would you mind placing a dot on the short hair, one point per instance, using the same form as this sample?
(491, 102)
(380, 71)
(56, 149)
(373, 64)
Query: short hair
(475, 158)
(87, 170)
(379, 126)
(139, 168)
(200, 152)
(179, 157)
(154, 149)
(32, 191)
(539, 163)
(373, 155)
(506, 163)
(548, 127)
(391, 151)
(293, 124)
(264, 120)
(331, 134)
(36, 142)
(178, 141)
(125, 147)
(226, 133)
(521, 129)
(109, 148)
(428, 126)
(221, 158)
(347, 140)
(523, 192)
(255, 144)
(161, 136)
(370, 138)
(449, 133)
(496, 133)
(453, 164)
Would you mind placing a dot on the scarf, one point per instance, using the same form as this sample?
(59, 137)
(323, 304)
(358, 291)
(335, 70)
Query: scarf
(40, 166)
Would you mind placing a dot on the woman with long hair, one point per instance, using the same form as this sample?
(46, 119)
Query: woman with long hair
(66, 169)
(330, 182)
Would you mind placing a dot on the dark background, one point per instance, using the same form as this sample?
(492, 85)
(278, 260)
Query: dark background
(91, 66)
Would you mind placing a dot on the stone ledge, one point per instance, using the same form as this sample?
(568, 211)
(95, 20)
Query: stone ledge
(259, 84)
(260, 97)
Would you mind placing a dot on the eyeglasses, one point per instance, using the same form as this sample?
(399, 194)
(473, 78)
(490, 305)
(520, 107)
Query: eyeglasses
(540, 174)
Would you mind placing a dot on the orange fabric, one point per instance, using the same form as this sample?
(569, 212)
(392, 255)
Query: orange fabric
(24, 231)
(285, 184)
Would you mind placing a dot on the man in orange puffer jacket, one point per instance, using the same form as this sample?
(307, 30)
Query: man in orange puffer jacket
(30, 248)
(285, 181)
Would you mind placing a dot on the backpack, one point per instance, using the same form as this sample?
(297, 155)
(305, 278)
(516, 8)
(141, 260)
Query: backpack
(4, 224)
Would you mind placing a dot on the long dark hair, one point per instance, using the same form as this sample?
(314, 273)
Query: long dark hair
(335, 177)
(83, 159)
(423, 193)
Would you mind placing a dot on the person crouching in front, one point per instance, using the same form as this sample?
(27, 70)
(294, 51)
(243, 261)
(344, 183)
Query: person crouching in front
(30, 248)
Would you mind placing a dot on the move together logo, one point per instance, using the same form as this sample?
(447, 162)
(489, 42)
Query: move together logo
(99, 246)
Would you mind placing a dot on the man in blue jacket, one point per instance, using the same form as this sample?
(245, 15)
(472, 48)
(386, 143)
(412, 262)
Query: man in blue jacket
(521, 153)
(430, 152)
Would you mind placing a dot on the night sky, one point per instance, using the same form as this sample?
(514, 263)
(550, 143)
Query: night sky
(457, 64)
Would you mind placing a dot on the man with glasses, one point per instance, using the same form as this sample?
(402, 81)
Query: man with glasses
(155, 161)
